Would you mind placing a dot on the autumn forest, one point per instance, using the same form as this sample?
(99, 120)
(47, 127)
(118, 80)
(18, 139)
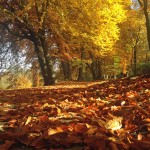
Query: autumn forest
(75, 74)
(43, 42)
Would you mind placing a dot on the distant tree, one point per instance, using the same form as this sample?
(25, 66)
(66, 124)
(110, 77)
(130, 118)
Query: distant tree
(131, 42)
(91, 26)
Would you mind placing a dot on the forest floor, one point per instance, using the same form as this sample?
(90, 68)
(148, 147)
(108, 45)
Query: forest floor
(104, 115)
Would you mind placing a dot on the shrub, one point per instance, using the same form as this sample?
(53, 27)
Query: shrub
(19, 81)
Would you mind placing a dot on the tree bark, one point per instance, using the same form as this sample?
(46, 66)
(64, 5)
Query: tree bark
(96, 70)
(134, 60)
(80, 75)
(99, 72)
(147, 20)
(81, 67)
(22, 26)
(35, 74)
(66, 70)
(44, 63)
(145, 9)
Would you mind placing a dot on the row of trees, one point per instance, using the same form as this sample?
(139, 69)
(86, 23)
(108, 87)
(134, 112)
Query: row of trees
(82, 39)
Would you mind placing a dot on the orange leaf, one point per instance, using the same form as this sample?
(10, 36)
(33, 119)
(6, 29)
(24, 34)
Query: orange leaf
(80, 128)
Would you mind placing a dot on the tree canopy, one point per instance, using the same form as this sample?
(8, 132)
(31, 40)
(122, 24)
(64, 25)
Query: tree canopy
(51, 31)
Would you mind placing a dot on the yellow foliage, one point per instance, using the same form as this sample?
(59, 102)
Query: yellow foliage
(91, 23)
(20, 81)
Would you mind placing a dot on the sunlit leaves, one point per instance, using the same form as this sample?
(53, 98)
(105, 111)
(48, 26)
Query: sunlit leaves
(88, 23)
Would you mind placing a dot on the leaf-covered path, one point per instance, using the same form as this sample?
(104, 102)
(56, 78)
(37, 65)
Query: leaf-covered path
(112, 115)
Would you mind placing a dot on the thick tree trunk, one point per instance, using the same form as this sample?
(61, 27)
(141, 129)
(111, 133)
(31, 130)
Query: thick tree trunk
(45, 66)
(38, 34)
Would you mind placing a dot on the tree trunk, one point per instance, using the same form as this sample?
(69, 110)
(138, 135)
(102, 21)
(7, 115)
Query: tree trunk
(96, 70)
(93, 70)
(66, 70)
(145, 8)
(35, 74)
(147, 21)
(99, 72)
(80, 75)
(44, 63)
(134, 60)
(81, 67)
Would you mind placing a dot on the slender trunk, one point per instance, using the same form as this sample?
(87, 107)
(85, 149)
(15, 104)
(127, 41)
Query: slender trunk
(66, 70)
(146, 14)
(92, 67)
(81, 67)
(147, 21)
(80, 75)
(95, 68)
(1, 83)
(134, 60)
(99, 72)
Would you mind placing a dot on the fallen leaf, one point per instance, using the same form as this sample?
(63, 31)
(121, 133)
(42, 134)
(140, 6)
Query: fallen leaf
(28, 120)
(7, 145)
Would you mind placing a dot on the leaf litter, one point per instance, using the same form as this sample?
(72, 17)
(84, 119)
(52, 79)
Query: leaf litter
(110, 115)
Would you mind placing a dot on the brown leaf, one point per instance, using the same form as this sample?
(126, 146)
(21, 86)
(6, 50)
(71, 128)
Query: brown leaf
(39, 143)
(113, 146)
(7, 145)
(10, 136)
(80, 128)
(54, 131)
(95, 142)
(24, 139)
(43, 119)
